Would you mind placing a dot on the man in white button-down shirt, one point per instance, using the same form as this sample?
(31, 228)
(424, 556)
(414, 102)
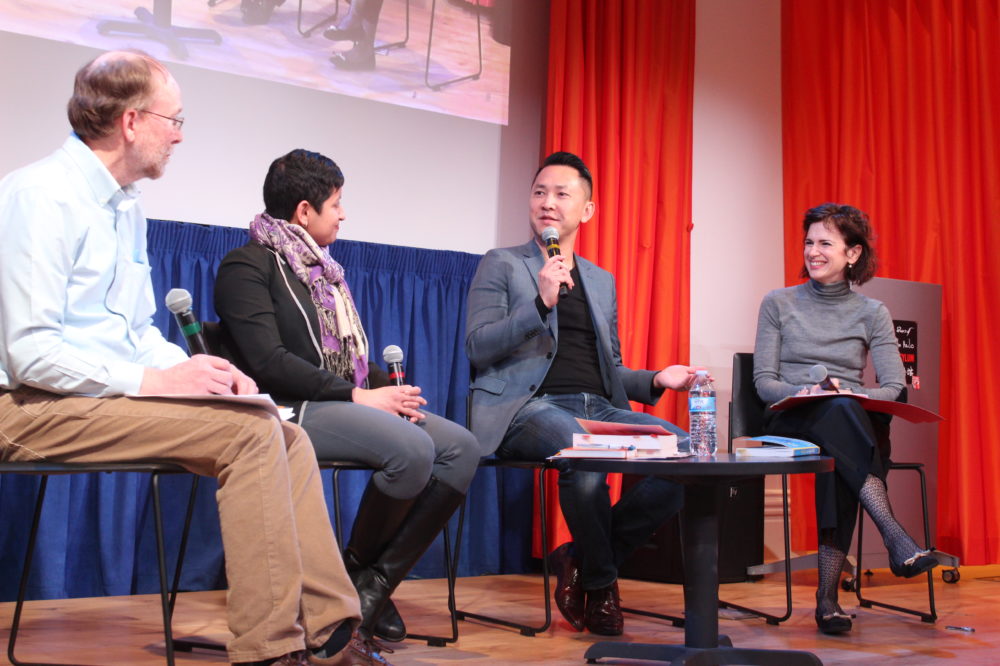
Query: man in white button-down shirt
(77, 342)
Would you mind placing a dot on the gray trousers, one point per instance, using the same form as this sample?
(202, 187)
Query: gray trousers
(404, 454)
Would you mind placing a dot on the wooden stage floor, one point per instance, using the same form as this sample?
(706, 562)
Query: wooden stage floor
(125, 630)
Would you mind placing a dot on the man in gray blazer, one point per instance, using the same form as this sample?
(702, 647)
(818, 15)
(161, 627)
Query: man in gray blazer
(543, 360)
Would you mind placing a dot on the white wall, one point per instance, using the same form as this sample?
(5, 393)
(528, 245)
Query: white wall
(736, 245)
(413, 177)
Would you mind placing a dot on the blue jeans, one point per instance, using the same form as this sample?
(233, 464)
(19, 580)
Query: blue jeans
(603, 536)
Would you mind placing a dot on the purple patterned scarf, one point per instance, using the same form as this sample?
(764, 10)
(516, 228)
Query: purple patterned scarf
(345, 346)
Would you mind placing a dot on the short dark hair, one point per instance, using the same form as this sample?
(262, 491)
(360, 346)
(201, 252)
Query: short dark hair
(562, 158)
(301, 175)
(854, 226)
(106, 87)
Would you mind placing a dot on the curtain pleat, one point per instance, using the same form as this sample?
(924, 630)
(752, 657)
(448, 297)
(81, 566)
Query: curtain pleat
(620, 95)
(892, 106)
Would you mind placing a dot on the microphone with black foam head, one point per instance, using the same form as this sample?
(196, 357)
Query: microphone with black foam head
(393, 357)
(550, 236)
(178, 301)
(818, 374)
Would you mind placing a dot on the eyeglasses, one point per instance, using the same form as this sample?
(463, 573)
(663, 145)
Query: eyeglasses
(177, 121)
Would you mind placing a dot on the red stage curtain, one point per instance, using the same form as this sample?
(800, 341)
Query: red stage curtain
(892, 106)
(621, 83)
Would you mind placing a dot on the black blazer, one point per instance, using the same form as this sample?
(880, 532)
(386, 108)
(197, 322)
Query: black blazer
(270, 329)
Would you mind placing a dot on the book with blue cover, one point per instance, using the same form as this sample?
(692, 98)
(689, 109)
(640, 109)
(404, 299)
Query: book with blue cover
(773, 446)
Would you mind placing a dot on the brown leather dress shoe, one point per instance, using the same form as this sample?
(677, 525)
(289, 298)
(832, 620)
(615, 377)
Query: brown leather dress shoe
(569, 593)
(604, 611)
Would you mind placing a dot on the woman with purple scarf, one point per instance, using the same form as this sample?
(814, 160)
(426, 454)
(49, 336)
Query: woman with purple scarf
(289, 321)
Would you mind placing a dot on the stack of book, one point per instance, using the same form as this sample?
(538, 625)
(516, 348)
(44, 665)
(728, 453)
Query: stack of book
(621, 441)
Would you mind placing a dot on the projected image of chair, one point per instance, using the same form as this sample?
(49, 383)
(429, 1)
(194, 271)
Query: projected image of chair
(156, 25)
(386, 46)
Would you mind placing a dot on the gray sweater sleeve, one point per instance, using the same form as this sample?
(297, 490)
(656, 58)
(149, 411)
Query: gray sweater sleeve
(767, 354)
(885, 357)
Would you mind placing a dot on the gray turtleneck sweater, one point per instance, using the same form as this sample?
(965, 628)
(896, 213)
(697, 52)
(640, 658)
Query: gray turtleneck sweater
(812, 323)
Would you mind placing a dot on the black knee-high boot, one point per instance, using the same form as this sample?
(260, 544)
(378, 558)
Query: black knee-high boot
(375, 583)
(378, 520)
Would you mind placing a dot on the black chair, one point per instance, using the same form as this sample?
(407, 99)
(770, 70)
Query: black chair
(450, 562)
(538, 468)
(47, 469)
(950, 575)
(218, 341)
(746, 420)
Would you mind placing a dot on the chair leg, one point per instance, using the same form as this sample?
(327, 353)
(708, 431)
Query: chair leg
(161, 560)
(430, 43)
(322, 22)
(188, 644)
(451, 566)
(26, 572)
(385, 47)
(774, 619)
(182, 549)
(928, 617)
(524, 629)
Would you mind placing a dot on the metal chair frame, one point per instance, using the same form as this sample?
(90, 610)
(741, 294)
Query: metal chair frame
(945, 559)
(450, 563)
(539, 468)
(47, 469)
(746, 420)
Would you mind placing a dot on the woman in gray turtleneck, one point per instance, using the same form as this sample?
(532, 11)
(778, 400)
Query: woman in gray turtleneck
(823, 322)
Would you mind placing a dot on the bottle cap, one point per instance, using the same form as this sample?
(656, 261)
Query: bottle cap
(701, 373)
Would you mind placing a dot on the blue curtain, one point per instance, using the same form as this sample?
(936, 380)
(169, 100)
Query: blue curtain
(411, 297)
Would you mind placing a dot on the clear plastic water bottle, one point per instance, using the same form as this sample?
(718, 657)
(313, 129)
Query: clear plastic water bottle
(701, 408)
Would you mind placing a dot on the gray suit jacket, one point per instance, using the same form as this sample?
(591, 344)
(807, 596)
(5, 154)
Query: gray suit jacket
(512, 347)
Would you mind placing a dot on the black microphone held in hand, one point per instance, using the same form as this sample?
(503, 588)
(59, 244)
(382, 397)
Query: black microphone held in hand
(179, 302)
(818, 374)
(550, 236)
(393, 357)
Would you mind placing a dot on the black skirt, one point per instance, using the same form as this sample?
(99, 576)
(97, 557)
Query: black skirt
(857, 440)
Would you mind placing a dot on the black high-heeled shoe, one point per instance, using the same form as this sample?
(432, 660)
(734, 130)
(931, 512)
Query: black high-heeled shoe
(920, 562)
(833, 623)
(352, 33)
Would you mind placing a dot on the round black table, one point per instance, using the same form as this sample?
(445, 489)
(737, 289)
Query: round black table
(701, 478)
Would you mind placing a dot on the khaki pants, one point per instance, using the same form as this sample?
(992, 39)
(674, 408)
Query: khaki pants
(287, 585)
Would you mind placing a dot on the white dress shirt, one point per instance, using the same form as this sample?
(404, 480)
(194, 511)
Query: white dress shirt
(76, 298)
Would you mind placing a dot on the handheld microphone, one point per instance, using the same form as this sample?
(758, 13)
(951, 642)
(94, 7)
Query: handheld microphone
(550, 236)
(178, 301)
(818, 374)
(393, 357)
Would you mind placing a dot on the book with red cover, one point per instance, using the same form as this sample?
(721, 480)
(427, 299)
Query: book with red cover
(903, 410)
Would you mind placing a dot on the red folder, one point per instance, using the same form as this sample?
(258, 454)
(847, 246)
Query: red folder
(903, 410)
